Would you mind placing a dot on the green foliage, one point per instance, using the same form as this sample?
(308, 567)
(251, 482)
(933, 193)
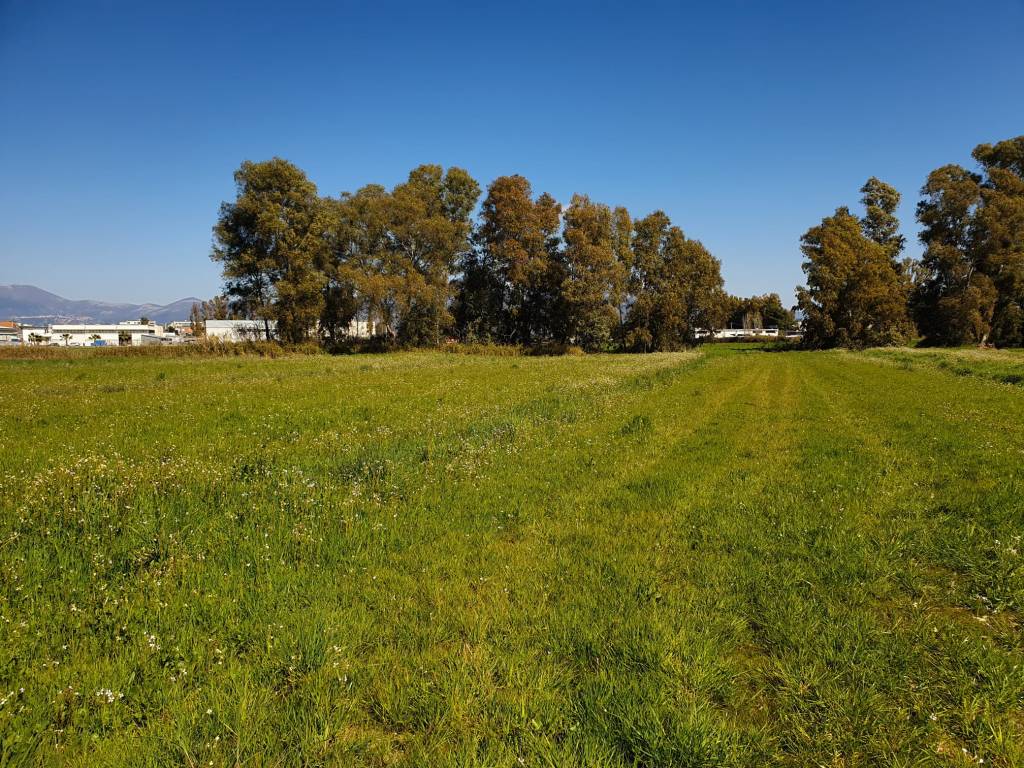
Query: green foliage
(315, 264)
(216, 308)
(954, 300)
(854, 295)
(880, 224)
(676, 285)
(392, 256)
(592, 275)
(511, 285)
(269, 241)
(732, 558)
(409, 267)
(972, 283)
(758, 312)
(358, 264)
(622, 245)
(428, 229)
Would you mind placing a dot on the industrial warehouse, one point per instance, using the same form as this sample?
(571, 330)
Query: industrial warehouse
(137, 333)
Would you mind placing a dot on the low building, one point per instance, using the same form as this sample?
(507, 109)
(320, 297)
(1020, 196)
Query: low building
(91, 334)
(34, 334)
(362, 329)
(10, 333)
(747, 333)
(739, 333)
(258, 330)
(240, 330)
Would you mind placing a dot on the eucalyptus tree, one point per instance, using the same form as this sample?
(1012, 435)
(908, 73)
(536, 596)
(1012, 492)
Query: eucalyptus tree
(517, 261)
(429, 227)
(622, 245)
(591, 276)
(955, 300)
(854, 296)
(972, 285)
(268, 241)
(1001, 234)
(676, 287)
(359, 280)
(879, 222)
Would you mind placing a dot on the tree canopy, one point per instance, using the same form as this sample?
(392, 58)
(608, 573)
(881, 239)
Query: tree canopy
(413, 266)
(421, 263)
(854, 295)
(268, 241)
(972, 271)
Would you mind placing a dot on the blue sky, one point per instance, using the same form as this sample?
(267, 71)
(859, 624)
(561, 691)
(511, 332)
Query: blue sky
(122, 122)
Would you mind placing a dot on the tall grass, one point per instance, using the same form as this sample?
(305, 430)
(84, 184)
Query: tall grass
(1005, 366)
(200, 348)
(716, 558)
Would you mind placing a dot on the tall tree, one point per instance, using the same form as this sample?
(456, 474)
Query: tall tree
(954, 301)
(591, 277)
(707, 297)
(622, 245)
(478, 304)
(516, 259)
(971, 288)
(429, 231)
(392, 255)
(774, 314)
(268, 241)
(879, 223)
(217, 308)
(651, 233)
(357, 264)
(854, 296)
(676, 286)
(1001, 231)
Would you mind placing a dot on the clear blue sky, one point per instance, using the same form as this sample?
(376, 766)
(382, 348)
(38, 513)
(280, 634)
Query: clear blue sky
(122, 122)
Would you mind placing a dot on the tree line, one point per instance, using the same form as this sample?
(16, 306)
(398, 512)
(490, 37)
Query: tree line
(968, 286)
(415, 266)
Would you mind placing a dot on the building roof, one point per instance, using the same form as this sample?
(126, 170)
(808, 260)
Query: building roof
(239, 323)
(101, 327)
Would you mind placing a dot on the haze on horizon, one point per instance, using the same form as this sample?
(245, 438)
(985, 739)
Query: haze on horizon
(123, 124)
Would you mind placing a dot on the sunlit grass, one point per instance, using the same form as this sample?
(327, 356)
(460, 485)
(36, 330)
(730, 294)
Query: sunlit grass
(723, 558)
(1005, 366)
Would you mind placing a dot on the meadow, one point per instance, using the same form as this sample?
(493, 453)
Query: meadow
(725, 557)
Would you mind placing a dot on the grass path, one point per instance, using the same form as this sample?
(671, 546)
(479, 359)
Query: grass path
(732, 558)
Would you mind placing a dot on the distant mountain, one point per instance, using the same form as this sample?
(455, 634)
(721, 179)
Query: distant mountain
(28, 304)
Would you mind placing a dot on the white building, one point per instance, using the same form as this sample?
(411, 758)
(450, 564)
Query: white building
(362, 329)
(240, 330)
(91, 334)
(256, 330)
(747, 333)
(10, 334)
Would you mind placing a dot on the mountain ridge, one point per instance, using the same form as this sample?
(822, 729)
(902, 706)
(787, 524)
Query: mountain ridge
(31, 304)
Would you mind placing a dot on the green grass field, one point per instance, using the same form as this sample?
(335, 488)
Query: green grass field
(717, 558)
